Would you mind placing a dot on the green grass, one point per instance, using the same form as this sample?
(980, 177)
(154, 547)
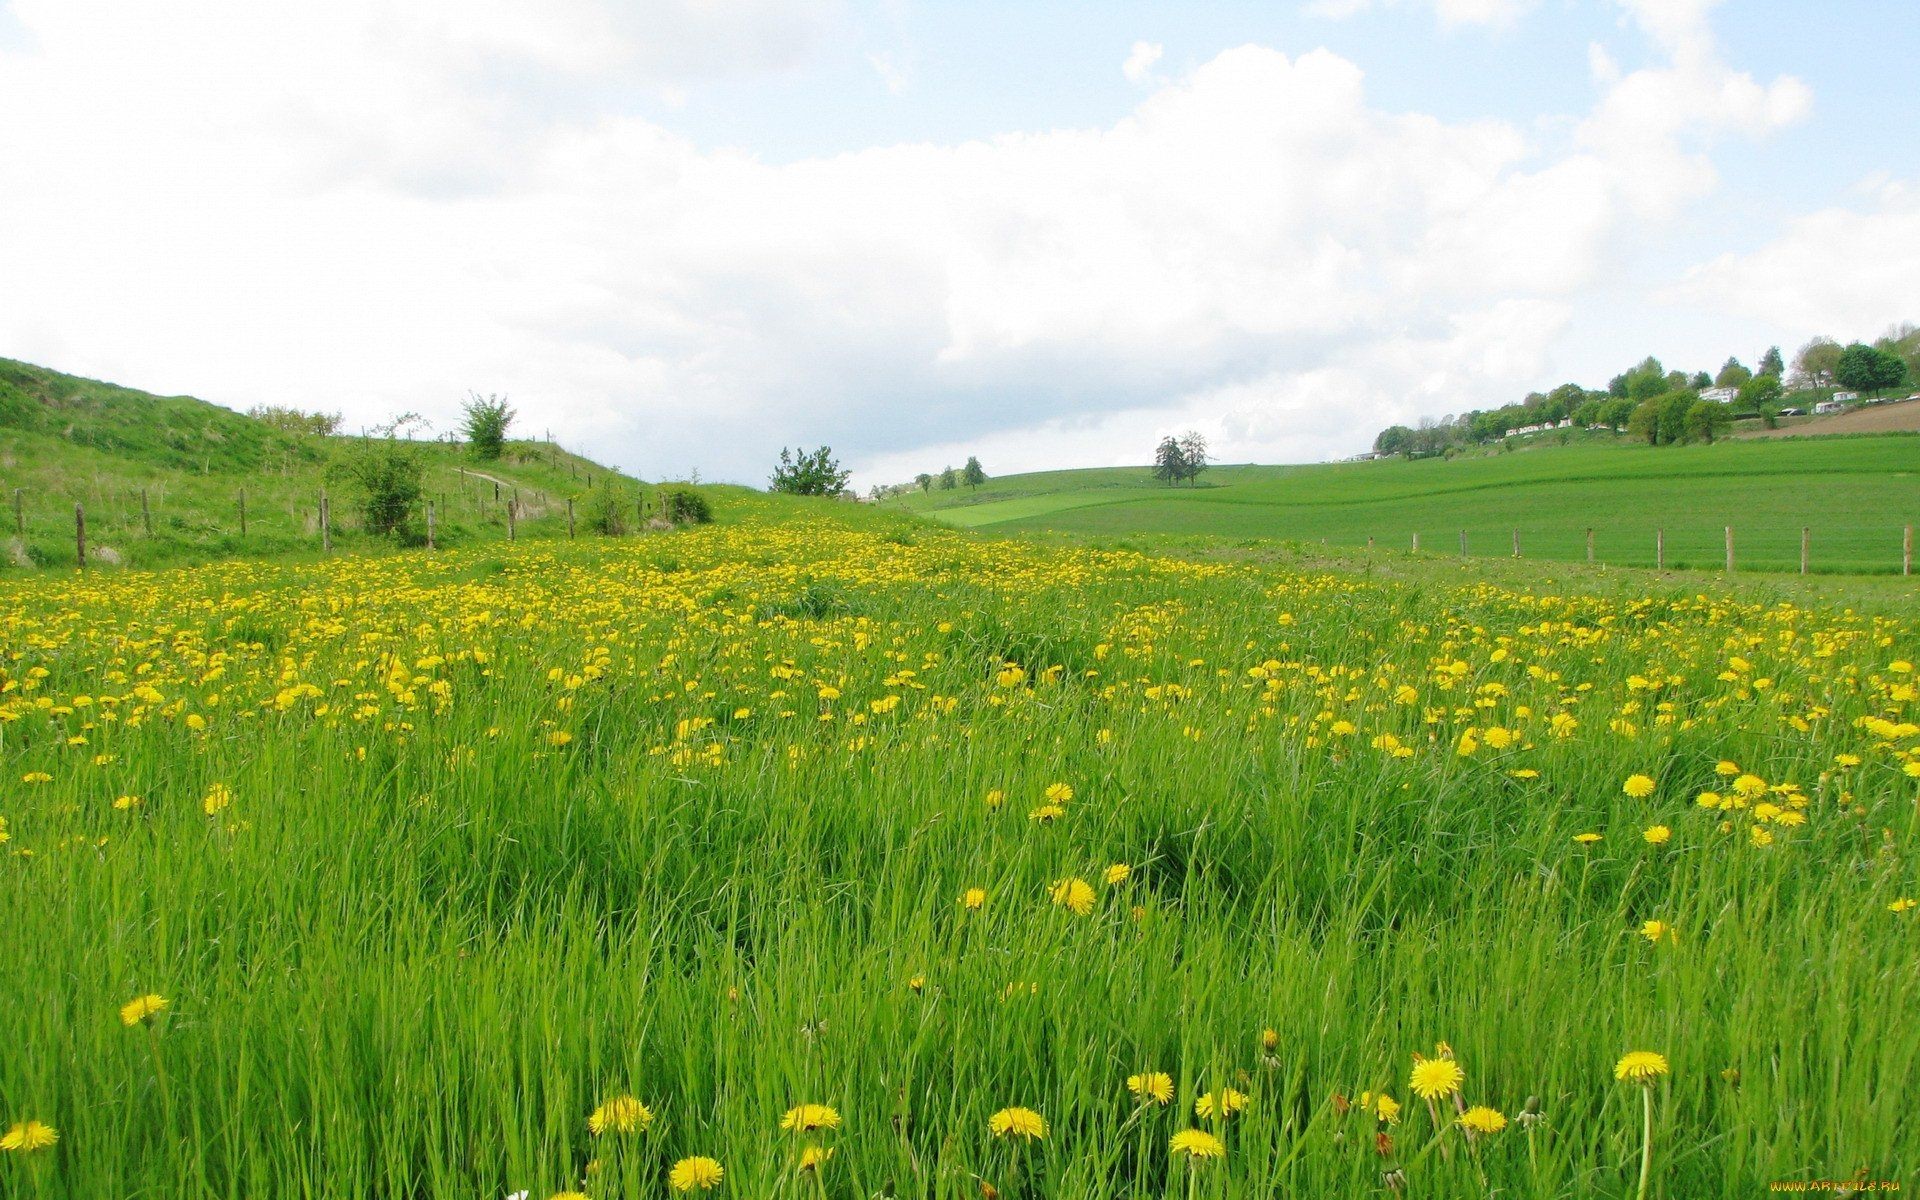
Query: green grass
(1855, 495)
(67, 441)
(429, 935)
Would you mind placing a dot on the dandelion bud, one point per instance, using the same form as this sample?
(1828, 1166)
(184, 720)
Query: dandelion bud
(1394, 1180)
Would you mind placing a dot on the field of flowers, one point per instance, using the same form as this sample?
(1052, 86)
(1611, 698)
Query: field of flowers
(828, 857)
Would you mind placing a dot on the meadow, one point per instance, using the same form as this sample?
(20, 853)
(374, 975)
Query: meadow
(825, 852)
(1855, 494)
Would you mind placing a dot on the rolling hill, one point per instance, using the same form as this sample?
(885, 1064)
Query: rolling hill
(162, 479)
(1855, 495)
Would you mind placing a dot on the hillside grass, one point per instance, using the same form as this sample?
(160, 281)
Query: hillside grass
(431, 856)
(1855, 494)
(67, 441)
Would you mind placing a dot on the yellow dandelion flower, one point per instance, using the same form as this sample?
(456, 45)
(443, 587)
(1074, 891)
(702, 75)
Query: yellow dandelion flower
(1760, 837)
(27, 1136)
(696, 1172)
(1197, 1144)
(1586, 839)
(1269, 1040)
(1117, 873)
(995, 798)
(1708, 799)
(1435, 1077)
(1058, 793)
(1074, 895)
(558, 737)
(621, 1114)
(1903, 904)
(1640, 1066)
(218, 797)
(1387, 1109)
(1726, 768)
(1654, 931)
(1046, 814)
(973, 898)
(141, 1009)
(1223, 1104)
(1017, 1122)
(1657, 835)
(124, 803)
(1638, 786)
(812, 1158)
(810, 1117)
(1156, 1086)
(1483, 1120)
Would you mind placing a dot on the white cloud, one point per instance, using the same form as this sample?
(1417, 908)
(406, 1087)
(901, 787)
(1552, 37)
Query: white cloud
(1140, 62)
(1842, 272)
(374, 208)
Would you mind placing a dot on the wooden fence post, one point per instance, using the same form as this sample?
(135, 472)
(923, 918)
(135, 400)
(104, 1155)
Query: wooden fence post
(569, 518)
(1516, 543)
(1369, 545)
(1729, 549)
(1906, 552)
(1416, 541)
(146, 514)
(1463, 543)
(243, 512)
(1806, 537)
(20, 521)
(510, 514)
(496, 491)
(80, 536)
(1589, 543)
(326, 524)
(1660, 549)
(429, 524)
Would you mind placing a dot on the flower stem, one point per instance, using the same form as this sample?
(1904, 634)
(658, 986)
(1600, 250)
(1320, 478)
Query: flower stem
(1646, 1141)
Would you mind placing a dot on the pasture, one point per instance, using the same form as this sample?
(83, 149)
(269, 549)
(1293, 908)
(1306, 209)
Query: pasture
(1856, 495)
(831, 853)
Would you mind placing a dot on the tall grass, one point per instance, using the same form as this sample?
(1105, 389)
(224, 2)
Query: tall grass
(691, 819)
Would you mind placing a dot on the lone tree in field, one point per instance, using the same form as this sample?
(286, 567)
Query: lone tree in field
(1180, 459)
(973, 474)
(485, 420)
(949, 480)
(809, 473)
(925, 481)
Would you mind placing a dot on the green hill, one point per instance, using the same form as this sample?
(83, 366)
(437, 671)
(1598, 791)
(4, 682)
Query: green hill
(1856, 495)
(161, 479)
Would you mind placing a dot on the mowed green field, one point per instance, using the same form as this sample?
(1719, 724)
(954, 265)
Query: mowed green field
(1855, 495)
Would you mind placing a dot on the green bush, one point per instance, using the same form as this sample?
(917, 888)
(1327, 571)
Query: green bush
(684, 506)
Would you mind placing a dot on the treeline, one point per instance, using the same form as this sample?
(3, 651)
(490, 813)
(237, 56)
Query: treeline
(972, 475)
(1669, 407)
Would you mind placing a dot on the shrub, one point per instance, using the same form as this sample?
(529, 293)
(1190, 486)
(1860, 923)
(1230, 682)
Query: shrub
(607, 512)
(486, 419)
(684, 506)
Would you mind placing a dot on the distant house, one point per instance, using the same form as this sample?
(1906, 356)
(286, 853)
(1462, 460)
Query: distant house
(1829, 406)
(1843, 397)
(1720, 395)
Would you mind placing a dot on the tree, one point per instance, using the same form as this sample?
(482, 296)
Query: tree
(1732, 374)
(486, 420)
(1394, 439)
(973, 474)
(1815, 364)
(1698, 380)
(389, 472)
(925, 481)
(1663, 420)
(1771, 363)
(1193, 453)
(293, 420)
(1866, 369)
(809, 473)
(1705, 418)
(949, 480)
(1169, 465)
(1761, 395)
(1642, 382)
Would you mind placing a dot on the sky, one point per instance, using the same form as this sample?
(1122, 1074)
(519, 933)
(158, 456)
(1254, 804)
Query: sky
(682, 234)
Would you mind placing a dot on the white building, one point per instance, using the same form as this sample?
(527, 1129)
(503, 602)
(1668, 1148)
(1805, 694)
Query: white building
(1720, 395)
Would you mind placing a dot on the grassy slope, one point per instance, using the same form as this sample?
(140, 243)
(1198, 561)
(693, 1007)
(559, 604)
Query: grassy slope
(65, 440)
(1854, 493)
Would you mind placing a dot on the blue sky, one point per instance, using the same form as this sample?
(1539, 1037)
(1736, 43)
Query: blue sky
(682, 234)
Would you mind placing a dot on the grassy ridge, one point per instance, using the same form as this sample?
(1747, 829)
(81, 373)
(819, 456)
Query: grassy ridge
(66, 440)
(433, 855)
(1855, 494)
